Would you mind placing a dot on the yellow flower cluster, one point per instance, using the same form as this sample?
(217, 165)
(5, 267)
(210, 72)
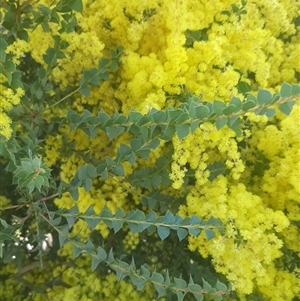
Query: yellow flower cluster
(40, 41)
(206, 145)
(78, 58)
(258, 223)
(4, 201)
(157, 63)
(280, 183)
(9, 98)
(131, 241)
(18, 49)
(250, 244)
(9, 285)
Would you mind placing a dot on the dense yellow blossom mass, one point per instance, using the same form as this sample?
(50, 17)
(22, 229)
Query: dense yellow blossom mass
(172, 47)
(9, 98)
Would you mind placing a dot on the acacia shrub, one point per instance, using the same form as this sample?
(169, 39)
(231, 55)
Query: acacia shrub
(166, 131)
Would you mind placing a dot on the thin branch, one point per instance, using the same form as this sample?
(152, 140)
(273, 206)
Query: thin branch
(27, 268)
(48, 197)
(14, 206)
(61, 100)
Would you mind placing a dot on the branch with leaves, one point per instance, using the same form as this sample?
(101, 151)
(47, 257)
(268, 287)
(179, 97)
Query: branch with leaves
(137, 221)
(147, 131)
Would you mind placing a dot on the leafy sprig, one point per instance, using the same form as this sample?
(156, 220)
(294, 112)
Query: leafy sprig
(137, 221)
(147, 131)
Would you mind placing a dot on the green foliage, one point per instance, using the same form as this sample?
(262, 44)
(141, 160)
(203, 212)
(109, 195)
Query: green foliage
(148, 130)
(195, 36)
(137, 221)
(32, 174)
(235, 9)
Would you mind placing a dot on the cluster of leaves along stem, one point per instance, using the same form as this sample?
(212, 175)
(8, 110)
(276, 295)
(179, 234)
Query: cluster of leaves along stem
(93, 76)
(137, 221)
(147, 131)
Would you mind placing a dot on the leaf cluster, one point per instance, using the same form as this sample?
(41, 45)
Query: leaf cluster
(32, 174)
(148, 130)
(137, 221)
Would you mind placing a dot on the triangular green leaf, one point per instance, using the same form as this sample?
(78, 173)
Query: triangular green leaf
(76, 5)
(182, 233)
(118, 170)
(180, 283)
(221, 286)
(218, 107)
(270, 112)
(182, 130)
(285, 90)
(163, 232)
(114, 132)
(201, 111)
(87, 184)
(136, 144)
(287, 107)
(209, 234)
(230, 109)
(220, 123)
(85, 91)
(236, 102)
(264, 97)
(295, 89)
